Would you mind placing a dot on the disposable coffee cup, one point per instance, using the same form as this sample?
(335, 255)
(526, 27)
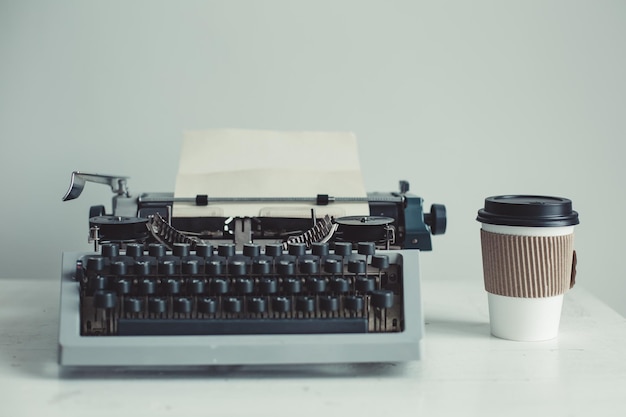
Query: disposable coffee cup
(528, 263)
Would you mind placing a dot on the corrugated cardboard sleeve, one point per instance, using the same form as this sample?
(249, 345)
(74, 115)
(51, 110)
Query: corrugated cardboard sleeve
(527, 266)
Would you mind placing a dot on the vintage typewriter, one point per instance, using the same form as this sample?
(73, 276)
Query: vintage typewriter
(159, 289)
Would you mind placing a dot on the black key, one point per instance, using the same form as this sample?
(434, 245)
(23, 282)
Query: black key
(305, 304)
(147, 287)
(182, 305)
(104, 299)
(339, 284)
(256, 305)
(233, 305)
(382, 298)
(292, 285)
(364, 284)
(268, 285)
(219, 286)
(207, 305)
(157, 305)
(133, 305)
(316, 284)
(281, 304)
(353, 302)
(329, 303)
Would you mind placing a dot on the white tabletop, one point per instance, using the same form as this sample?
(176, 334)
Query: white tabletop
(465, 371)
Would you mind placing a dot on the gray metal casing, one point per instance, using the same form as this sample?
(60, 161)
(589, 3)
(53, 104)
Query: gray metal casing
(77, 350)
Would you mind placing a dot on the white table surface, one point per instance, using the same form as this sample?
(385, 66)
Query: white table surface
(465, 371)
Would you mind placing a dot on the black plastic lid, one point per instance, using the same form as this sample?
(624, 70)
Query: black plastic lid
(528, 210)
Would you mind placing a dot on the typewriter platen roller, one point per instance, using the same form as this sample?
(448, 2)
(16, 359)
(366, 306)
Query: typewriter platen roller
(199, 290)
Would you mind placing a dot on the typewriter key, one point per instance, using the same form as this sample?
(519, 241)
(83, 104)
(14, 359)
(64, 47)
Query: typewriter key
(133, 305)
(256, 305)
(261, 266)
(251, 250)
(123, 286)
(167, 268)
(232, 305)
(292, 285)
(244, 285)
(297, 249)
(237, 268)
(316, 284)
(147, 287)
(343, 248)
(333, 266)
(104, 299)
(219, 286)
(95, 263)
(268, 285)
(226, 249)
(181, 249)
(182, 305)
(191, 267)
(305, 304)
(110, 250)
(366, 248)
(281, 304)
(329, 303)
(353, 303)
(172, 286)
(204, 250)
(196, 286)
(309, 264)
(320, 248)
(142, 268)
(156, 250)
(380, 261)
(207, 305)
(339, 285)
(364, 284)
(119, 268)
(157, 305)
(357, 266)
(273, 249)
(382, 298)
(134, 249)
(214, 266)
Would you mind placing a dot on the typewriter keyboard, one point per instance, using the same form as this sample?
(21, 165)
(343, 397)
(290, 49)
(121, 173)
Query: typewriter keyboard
(215, 290)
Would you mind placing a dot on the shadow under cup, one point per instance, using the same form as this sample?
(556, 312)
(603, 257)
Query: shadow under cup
(528, 263)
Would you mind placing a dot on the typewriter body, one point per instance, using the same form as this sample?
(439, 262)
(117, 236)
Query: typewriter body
(162, 290)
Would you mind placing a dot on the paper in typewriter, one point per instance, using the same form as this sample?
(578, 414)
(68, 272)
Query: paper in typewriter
(232, 163)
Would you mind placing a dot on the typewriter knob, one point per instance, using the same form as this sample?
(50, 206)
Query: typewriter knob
(436, 219)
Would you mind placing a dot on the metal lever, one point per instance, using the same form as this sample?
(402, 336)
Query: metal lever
(77, 183)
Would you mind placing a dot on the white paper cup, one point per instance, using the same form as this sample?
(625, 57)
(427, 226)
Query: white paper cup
(527, 249)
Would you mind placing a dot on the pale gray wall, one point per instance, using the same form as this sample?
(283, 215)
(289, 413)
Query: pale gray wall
(463, 99)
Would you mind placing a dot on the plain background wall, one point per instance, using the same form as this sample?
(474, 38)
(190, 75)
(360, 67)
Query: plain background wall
(462, 99)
